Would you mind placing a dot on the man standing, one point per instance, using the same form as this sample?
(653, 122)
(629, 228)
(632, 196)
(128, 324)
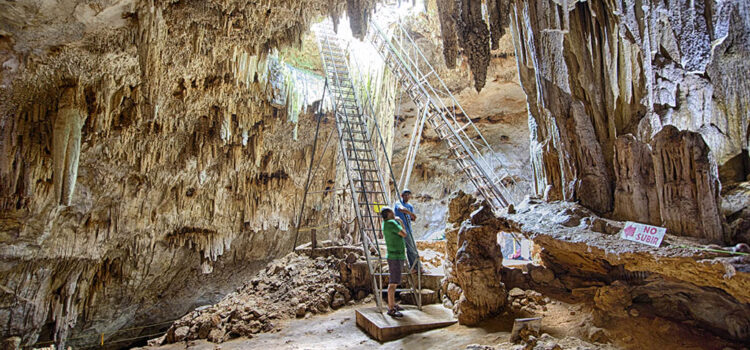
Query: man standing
(405, 212)
(394, 235)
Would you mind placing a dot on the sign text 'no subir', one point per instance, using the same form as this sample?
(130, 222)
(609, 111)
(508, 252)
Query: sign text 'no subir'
(641, 233)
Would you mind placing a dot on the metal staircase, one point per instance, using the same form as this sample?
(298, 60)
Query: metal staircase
(438, 106)
(358, 145)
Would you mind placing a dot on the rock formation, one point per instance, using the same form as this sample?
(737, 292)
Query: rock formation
(597, 70)
(582, 254)
(144, 170)
(446, 11)
(635, 186)
(148, 167)
(474, 263)
(687, 184)
(462, 23)
(359, 12)
(66, 143)
(708, 290)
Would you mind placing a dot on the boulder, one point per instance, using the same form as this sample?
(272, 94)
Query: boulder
(516, 293)
(542, 275)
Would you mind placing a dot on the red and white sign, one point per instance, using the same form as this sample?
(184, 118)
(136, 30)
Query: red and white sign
(641, 233)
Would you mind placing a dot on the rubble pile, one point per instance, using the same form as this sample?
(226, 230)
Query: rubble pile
(292, 286)
(526, 302)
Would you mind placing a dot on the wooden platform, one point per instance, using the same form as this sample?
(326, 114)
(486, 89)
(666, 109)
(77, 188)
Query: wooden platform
(385, 328)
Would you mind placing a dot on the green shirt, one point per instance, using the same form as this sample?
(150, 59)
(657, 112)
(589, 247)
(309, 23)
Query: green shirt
(394, 242)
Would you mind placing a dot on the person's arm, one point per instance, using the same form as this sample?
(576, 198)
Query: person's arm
(402, 233)
(400, 227)
(407, 212)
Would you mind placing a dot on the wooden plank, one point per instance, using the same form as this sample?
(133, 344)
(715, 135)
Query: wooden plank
(385, 328)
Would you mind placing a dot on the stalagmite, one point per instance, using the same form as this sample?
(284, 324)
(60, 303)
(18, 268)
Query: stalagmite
(687, 183)
(635, 191)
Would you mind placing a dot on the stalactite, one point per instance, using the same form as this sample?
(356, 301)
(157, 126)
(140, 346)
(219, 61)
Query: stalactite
(359, 12)
(498, 11)
(474, 38)
(66, 146)
(448, 14)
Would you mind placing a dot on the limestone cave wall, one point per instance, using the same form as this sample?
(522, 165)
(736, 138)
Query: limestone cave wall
(142, 173)
(604, 79)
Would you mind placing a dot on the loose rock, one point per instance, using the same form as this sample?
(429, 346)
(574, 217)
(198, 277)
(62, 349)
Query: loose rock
(314, 287)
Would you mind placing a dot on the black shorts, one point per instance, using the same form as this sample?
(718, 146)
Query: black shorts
(394, 268)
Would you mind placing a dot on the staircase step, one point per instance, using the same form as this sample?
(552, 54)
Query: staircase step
(429, 296)
(371, 181)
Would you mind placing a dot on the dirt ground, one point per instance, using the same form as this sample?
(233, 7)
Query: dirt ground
(567, 322)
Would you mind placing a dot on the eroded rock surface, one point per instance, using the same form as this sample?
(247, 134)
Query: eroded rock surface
(474, 265)
(710, 290)
(144, 167)
(597, 70)
(687, 184)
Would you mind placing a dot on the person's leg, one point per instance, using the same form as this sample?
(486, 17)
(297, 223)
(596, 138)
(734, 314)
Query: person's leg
(391, 296)
(394, 278)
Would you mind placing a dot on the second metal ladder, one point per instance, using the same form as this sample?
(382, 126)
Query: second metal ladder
(452, 124)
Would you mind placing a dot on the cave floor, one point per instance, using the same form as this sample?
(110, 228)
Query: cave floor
(569, 322)
(338, 330)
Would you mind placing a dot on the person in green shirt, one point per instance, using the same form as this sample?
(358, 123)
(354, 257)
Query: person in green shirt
(393, 232)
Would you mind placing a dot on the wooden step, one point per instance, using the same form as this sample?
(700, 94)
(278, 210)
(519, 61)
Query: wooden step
(384, 328)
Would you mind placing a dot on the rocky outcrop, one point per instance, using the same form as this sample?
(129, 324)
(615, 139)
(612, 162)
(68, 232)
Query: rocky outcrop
(596, 70)
(474, 264)
(708, 290)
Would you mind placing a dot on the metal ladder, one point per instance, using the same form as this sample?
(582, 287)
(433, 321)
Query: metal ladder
(357, 145)
(452, 124)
